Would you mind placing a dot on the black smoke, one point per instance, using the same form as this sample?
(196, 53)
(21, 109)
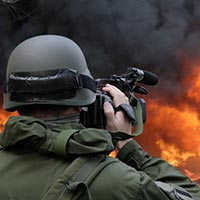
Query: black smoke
(154, 35)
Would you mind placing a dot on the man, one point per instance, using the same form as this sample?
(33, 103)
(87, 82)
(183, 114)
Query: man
(47, 83)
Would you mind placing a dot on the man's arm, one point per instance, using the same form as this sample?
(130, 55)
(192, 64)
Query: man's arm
(167, 177)
(170, 180)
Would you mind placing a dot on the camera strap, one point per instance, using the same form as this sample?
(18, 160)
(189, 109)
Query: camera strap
(128, 110)
(131, 114)
(139, 119)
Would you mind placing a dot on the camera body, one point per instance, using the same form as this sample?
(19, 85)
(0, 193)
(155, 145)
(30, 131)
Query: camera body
(93, 115)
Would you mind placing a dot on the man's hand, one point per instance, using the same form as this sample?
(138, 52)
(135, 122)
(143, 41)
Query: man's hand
(116, 121)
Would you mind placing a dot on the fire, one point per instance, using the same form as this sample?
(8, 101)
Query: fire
(193, 93)
(175, 136)
(4, 117)
(173, 129)
(173, 154)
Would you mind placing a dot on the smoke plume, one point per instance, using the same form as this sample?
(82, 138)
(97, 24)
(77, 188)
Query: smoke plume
(150, 34)
(154, 35)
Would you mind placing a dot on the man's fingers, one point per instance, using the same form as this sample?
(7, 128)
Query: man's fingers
(112, 90)
(118, 96)
(116, 121)
(108, 110)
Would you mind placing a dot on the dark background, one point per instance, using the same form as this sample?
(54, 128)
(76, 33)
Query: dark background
(153, 35)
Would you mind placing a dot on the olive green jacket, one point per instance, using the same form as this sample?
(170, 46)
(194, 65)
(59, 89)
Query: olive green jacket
(30, 162)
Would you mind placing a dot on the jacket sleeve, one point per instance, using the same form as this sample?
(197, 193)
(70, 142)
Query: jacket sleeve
(170, 180)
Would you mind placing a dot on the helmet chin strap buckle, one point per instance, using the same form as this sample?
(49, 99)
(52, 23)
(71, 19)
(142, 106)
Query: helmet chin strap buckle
(78, 80)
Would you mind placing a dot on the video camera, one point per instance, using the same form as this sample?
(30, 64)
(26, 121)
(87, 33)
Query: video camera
(93, 115)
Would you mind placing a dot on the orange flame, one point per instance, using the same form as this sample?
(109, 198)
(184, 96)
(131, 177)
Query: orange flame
(176, 136)
(172, 131)
(4, 117)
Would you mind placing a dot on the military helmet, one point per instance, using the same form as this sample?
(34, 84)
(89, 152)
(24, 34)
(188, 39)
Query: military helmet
(48, 69)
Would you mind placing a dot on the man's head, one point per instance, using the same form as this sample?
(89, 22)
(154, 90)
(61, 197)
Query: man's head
(48, 70)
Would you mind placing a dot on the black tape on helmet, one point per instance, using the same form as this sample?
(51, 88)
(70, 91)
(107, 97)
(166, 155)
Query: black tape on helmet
(41, 85)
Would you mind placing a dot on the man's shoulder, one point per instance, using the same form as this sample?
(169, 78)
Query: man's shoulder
(116, 180)
(119, 170)
(1, 148)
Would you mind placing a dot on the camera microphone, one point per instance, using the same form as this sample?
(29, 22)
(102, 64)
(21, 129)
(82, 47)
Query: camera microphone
(145, 77)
